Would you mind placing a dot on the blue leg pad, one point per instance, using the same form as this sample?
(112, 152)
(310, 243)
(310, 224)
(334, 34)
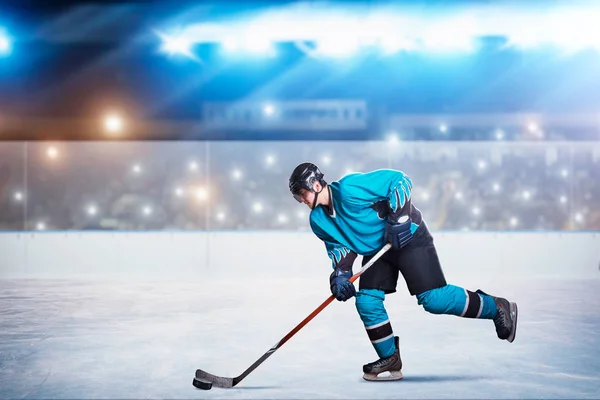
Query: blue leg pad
(455, 300)
(369, 304)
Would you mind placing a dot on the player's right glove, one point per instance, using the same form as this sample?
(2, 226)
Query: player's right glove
(398, 232)
(341, 287)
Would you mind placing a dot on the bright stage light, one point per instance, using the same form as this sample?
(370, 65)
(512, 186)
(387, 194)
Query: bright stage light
(202, 194)
(52, 152)
(257, 207)
(268, 110)
(5, 44)
(393, 139)
(193, 166)
(176, 45)
(563, 199)
(236, 174)
(113, 124)
(270, 160)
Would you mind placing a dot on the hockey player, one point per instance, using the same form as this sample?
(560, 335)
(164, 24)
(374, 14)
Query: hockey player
(359, 214)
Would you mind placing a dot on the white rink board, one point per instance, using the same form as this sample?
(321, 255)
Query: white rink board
(276, 255)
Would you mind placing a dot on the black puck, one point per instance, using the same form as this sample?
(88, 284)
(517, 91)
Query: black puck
(201, 384)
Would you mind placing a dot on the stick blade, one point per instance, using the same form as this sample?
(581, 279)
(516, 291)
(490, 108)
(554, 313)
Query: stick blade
(217, 381)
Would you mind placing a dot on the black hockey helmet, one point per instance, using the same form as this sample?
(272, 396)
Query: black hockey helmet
(303, 177)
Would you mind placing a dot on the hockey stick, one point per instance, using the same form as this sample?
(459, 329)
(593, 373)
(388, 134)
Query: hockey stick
(205, 381)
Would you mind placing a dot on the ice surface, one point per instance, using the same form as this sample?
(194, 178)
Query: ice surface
(100, 339)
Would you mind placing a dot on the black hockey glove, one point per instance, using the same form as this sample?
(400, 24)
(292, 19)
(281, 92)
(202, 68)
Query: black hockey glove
(398, 233)
(341, 287)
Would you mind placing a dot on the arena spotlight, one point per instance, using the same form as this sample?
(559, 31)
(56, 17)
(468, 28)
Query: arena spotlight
(499, 134)
(326, 160)
(257, 207)
(92, 210)
(147, 210)
(176, 45)
(52, 152)
(220, 216)
(179, 192)
(201, 193)
(18, 196)
(236, 174)
(270, 160)
(268, 109)
(532, 127)
(5, 44)
(113, 123)
(137, 169)
(563, 199)
(40, 226)
(514, 221)
(443, 128)
(282, 218)
(393, 139)
(193, 166)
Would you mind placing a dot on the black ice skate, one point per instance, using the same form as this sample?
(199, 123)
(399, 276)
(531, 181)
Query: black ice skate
(506, 319)
(391, 364)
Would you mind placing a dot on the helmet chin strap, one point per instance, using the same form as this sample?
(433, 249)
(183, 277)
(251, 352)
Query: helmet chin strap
(316, 197)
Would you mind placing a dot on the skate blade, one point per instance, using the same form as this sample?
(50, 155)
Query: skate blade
(384, 376)
(513, 333)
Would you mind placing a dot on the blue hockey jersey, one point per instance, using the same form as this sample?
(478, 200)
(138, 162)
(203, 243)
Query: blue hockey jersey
(354, 221)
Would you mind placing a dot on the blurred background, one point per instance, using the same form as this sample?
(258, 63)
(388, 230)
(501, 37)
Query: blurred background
(149, 115)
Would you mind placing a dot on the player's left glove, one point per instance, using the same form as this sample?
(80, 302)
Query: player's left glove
(341, 287)
(398, 232)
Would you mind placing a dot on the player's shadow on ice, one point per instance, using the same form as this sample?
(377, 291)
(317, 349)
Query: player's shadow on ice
(440, 378)
(256, 387)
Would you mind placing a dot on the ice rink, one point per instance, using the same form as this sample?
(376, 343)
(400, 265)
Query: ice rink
(73, 339)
